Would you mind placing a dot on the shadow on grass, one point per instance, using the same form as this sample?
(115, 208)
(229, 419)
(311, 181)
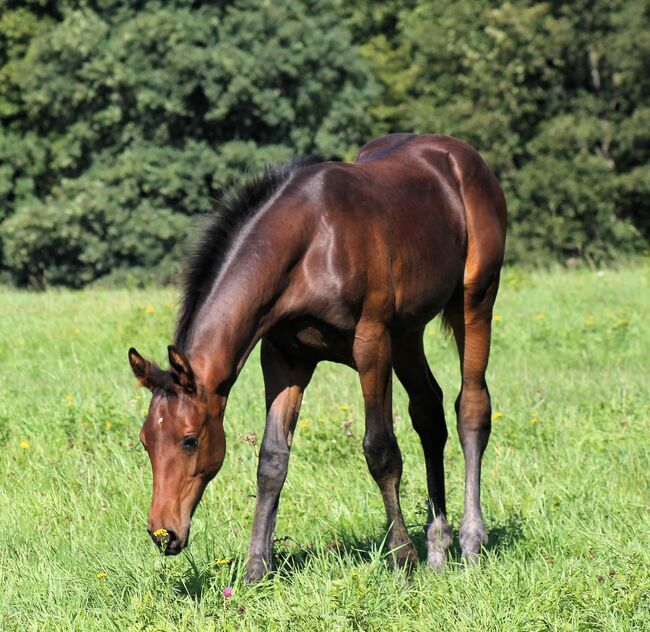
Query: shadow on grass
(502, 537)
(196, 582)
(290, 557)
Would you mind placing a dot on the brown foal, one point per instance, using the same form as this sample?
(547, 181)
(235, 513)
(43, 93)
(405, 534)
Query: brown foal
(346, 263)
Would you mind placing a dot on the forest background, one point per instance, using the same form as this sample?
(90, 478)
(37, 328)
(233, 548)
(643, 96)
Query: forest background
(121, 121)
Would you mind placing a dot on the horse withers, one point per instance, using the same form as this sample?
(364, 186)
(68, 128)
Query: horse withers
(346, 263)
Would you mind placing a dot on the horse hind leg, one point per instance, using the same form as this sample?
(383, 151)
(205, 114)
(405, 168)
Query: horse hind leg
(470, 317)
(428, 418)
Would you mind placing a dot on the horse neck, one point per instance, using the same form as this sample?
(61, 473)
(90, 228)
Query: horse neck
(237, 312)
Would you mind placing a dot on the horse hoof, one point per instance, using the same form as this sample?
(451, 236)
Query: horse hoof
(256, 569)
(472, 538)
(404, 555)
(438, 542)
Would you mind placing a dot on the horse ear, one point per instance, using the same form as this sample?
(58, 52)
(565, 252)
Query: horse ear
(142, 369)
(182, 369)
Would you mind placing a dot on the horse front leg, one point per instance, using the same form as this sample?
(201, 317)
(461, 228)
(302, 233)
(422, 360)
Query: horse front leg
(285, 380)
(372, 356)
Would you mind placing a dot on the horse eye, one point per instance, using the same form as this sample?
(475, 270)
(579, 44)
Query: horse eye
(190, 443)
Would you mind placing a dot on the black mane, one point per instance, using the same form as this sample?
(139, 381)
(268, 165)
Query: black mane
(238, 204)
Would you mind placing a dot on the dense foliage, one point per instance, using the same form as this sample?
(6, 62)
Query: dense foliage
(121, 120)
(551, 93)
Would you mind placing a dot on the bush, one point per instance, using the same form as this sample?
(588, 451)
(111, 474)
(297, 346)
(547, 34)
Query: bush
(94, 229)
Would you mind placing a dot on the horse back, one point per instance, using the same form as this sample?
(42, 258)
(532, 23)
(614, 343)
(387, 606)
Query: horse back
(391, 234)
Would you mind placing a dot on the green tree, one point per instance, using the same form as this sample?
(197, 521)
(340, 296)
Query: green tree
(119, 121)
(552, 94)
(131, 117)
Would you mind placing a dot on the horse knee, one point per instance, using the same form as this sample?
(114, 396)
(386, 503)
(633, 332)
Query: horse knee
(383, 456)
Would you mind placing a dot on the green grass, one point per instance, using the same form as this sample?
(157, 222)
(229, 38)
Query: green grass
(565, 478)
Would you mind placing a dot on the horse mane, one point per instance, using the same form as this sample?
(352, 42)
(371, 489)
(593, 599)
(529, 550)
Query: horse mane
(238, 203)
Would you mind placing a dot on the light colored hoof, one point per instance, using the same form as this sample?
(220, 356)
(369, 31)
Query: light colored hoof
(473, 538)
(438, 543)
(437, 560)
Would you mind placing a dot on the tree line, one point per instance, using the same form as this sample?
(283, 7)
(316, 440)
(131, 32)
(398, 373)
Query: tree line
(121, 120)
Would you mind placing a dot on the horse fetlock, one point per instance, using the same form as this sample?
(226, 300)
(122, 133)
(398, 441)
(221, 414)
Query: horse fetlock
(402, 551)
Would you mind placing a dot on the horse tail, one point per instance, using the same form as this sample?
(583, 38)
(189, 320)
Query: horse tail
(486, 224)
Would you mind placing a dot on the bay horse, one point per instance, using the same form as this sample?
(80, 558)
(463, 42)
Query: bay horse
(340, 262)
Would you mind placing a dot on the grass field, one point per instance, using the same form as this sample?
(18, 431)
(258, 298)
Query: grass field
(566, 490)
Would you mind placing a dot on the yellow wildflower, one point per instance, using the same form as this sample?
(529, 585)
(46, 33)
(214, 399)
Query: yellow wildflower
(344, 407)
(70, 398)
(540, 316)
(24, 445)
(433, 333)
(161, 535)
(534, 421)
(222, 562)
(304, 423)
(149, 309)
(590, 320)
(497, 415)
(497, 318)
(321, 420)
(109, 425)
(102, 575)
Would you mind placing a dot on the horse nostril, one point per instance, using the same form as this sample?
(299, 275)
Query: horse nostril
(173, 545)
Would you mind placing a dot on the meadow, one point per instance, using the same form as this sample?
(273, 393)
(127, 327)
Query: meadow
(565, 479)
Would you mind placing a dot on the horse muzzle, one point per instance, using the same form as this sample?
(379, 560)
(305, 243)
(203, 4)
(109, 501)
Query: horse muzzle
(169, 542)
